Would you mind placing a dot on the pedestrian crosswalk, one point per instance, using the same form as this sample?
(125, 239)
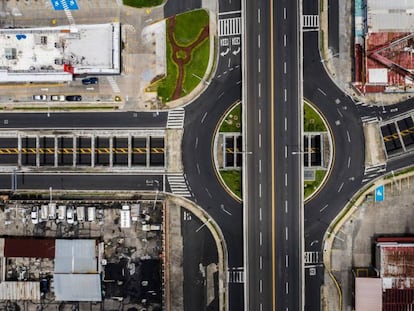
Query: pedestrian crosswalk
(374, 171)
(229, 26)
(312, 258)
(68, 12)
(113, 84)
(175, 118)
(235, 275)
(369, 119)
(310, 21)
(178, 185)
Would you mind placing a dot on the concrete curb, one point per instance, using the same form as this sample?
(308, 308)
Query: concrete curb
(346, 214)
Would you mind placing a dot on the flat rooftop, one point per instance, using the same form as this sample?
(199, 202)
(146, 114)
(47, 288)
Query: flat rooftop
(390, 16)
(66, 50)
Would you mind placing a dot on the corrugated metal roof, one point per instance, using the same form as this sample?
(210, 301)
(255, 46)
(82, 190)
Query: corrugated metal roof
(397, 261)
(368, 294)
(75, 256)
(77, 287)
(386, 15)
(20, 291)
(31, 248)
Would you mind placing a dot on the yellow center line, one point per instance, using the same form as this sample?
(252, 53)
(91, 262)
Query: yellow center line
(272, 146)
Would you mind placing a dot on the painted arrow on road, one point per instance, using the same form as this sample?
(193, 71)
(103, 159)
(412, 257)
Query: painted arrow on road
(235, 52)
(225, 52)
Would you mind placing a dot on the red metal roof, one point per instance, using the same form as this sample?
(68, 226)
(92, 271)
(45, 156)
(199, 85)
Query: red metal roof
(403, 239)
(32, 248)
(398, 300)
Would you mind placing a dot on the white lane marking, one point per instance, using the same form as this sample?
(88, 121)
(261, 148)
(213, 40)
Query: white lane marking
(349, 136)
(229, 64)
(204, 117)
(261, 262)
(287, 287)
(260, 116)
(284, 13)
(198, 169)
(286, 152)
(284, 67)
(222, 93)
(260, 238)
(260, 140)
(340, 187)
(258, 65)
(321, 91)
(258, 41)
(284, 40)
(286, 234)
(349, 162)
(260, 166)
(285, 94)
(339, 112)
(286, 179)
(258, 15)
(208, 192)
(260, 214)
(260, 190)
(287, 261)
(260, 89)
(260, 285)
(323, 208)
(261, 306)
(286, 206)
(285, 124)
(196, 143)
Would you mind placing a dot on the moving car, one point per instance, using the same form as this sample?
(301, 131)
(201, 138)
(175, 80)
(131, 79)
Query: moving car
(73, 98)
(40, 97)
(57, 98)
(92, 80)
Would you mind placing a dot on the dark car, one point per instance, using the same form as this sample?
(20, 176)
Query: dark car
(88, 81)
(73, 98)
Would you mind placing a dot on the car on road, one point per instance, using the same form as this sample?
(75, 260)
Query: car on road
(92, 80)
(39, 97)
(73, 98)
(57, 98)
(34, 216)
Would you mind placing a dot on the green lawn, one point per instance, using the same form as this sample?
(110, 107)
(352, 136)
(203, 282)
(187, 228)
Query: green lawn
(189, 25)
(196, 67)
(232, 122)
(233, 180)
(312, 121)
(165, 87)
(311, 186)
(142, 3)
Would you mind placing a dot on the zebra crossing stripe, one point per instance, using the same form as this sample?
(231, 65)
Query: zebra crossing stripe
(310, 21)
(113, 84)
(312, 257)
(176, 118)
(178, 185)
(229, 26)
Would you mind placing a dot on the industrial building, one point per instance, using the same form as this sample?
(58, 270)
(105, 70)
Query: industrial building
(384, 46)
(392, 289)
(56, 54)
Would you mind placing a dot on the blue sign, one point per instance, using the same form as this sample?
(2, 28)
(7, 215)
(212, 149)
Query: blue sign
(379, 194)
(60, 5)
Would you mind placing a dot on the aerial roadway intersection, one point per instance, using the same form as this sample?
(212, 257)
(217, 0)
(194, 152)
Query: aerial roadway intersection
(183, 121)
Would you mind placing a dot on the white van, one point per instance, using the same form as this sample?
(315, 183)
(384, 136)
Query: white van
(44, 212)
(52, 210)
(61, 212)
(91, 213)
(80, 213)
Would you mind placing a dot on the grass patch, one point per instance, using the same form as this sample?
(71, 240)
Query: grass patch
(189, 25)
(233, 180)
(232, 122)
(311, 186)
(196, 67)
(142, 3)
(165, 87)
(312, 120)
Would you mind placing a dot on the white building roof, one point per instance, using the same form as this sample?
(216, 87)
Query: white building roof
(75, 256)
(368, 294)
(20, 291)
(27, 53)
(77, 287)
(390, 16)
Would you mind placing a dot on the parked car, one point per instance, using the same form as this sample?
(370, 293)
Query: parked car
(70, 215)
(57, 98)
(61, 213)
(92, 80)
(35, 215)
(40, 97)
(73, 98)
(80, 213)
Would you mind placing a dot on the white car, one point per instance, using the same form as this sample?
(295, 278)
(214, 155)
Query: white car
(57, 98)
(35, 215)
(40, 97)
(70, 215)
